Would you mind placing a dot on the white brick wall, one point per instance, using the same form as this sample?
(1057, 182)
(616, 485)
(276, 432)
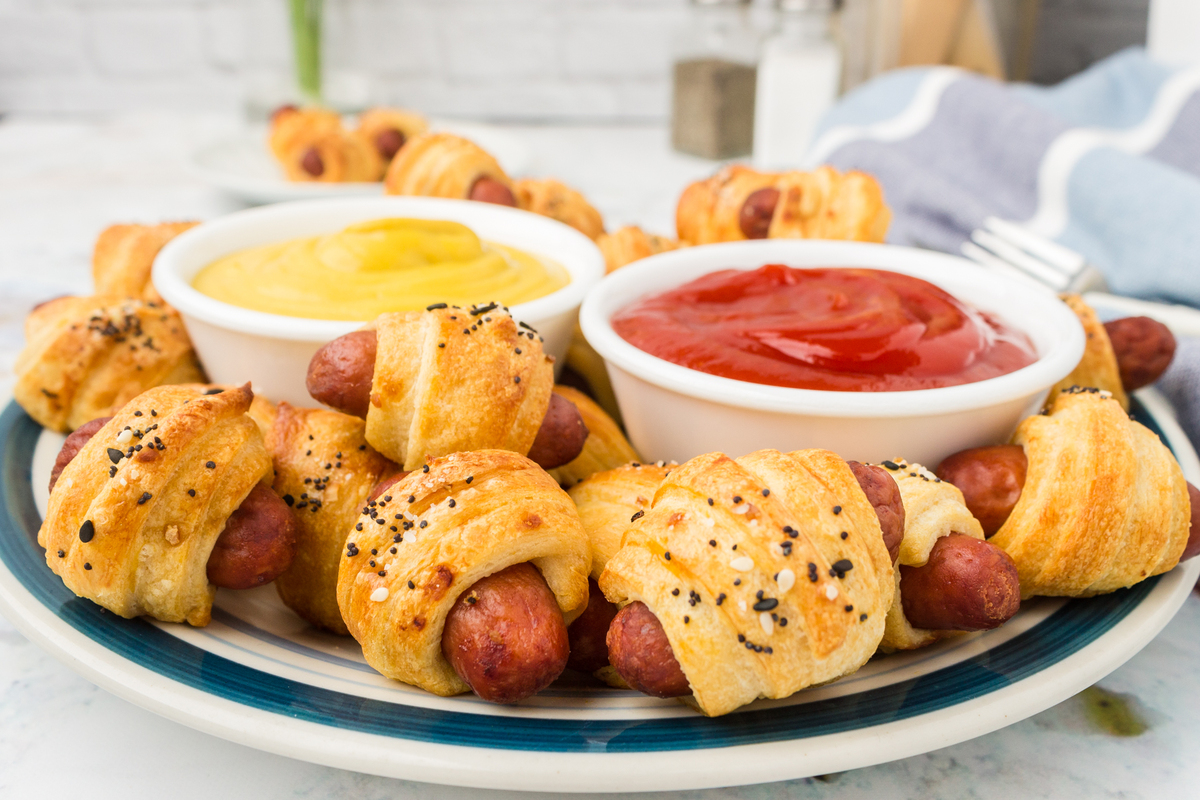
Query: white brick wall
(500, 59)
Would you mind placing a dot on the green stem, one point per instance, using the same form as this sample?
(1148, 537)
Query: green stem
(306, 38)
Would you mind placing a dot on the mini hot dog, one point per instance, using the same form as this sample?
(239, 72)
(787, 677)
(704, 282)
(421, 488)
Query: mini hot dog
(505, 636)
(1144, 348)
(992, 478)
(259, 538)
(340, 375)
(587, 634)
(754, 217)
(968, 584)
(490, 190)
(640, 652)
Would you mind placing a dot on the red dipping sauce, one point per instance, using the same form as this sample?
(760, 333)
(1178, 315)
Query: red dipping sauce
(842, 330)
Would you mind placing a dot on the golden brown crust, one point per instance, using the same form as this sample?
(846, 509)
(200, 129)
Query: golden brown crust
(453, 534)
(796, 507)
(556, 200)
(708, 210)
(344, 158)
(1098, 367)
(631, 243)
(441, 165)
(607, 502)
(324, 471)
(124, 256)
(826, 204)
(454, 379)
(84, 357)
(135, 536)
(605, 447)
(1104, 505)
(821, 204)
(932, 509)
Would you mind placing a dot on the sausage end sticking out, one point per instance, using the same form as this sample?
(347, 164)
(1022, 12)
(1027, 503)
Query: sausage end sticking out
(884, 495)
(340, 373)
(754, 217)
(1192, 548)
(589, 651)
(312, 163)
(74, 443)
(1144, 348)
(259, 539)
(640, 652)
(968, 584)
(257, 545)
(991, 480)
(490, 190)
(505, 636)
(560, 438)
(388, 142)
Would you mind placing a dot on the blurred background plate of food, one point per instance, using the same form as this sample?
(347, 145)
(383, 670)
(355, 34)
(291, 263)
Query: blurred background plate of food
(242, 165)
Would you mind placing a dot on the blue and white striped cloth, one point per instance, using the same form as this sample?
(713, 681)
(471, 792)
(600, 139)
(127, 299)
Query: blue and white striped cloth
(1107, 163)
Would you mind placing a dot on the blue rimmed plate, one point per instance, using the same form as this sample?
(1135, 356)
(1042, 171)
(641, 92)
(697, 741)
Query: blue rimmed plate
(259, 676)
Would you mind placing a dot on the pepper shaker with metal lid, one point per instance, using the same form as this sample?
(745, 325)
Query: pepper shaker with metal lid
(716, 58)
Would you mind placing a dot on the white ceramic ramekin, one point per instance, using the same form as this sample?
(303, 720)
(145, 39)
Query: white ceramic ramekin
(672, 412)
(272, 351)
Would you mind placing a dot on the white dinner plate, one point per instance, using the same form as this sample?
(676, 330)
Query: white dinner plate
(243, 165)
(260, 676)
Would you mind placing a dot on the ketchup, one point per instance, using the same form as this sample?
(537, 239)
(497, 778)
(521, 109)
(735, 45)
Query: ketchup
(844, 330)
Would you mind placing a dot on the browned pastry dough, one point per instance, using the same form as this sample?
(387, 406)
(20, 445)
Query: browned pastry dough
(311, 145)
(822, 204)
(441, 165)
(454, 379)
(631, 243)
(388, 129)
(472, 515)
(324, 471)
(605, 447)
(608, 502)
(124, 256)
(1098, 367)
(135, 536)
(556, 200)
(86, 356)
(1104, 506)
(722, 609)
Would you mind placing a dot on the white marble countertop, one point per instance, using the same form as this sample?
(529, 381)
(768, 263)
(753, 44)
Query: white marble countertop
(62, 182)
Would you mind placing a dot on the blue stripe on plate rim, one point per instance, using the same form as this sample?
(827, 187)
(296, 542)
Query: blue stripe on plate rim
(1068, 630)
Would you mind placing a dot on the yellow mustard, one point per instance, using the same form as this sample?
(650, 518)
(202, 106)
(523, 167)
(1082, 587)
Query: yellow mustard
(379, 266)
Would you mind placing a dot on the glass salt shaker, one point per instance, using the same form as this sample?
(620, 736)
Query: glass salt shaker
(715, 69)
(798, 79)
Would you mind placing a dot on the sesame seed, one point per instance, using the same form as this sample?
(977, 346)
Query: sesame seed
(831, 592)
(380, 594)
(845, 534)
(849, 608)
(862, 617)
(768, 624)
(892, 465)
(637, 515)
(766, 492)
(87, 566)
(737, 498)
(766, 604)
(667, 555)
(425, 469)
(423, 524)
(710, 501)
(211, 465)
(87, 531)
(742, 564)
(517, 379)
(675, 593)
(720, 598)
(786, 579)
(62, 553)
(451, 502)
(686, 619)
(145, 497)
(837, 510)
(712, 542)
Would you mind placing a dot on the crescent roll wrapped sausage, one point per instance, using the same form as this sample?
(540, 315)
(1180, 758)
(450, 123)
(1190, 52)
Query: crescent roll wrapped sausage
(124, 256)
(135, 516)
(324, 471)
(418, 562)
(85, 356)
(312, 145)
(1104, 503)
(444, 165)
(741, 203)
(1098, 367)
(441, 380)
(631, 243)
(767, 574)
(556, 200)
(388, 129)
(605, 446)
(934, 514)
